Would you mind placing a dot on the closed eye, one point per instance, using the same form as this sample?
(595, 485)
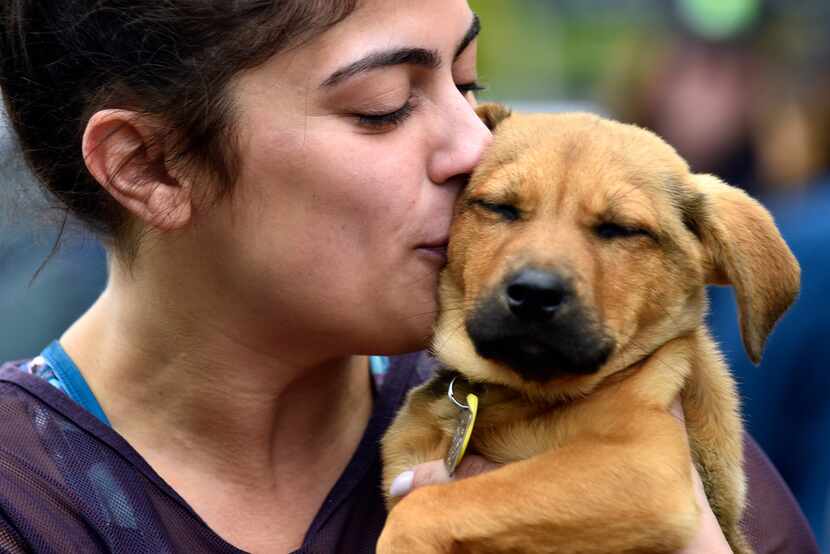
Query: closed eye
(611, 231)
(384, 121)
(507, 212)
(473, 87)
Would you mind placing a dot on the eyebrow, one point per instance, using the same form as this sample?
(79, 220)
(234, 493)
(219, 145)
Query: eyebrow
(422, 57)
(472, 33)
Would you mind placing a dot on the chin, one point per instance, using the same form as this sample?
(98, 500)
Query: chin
(406, 333)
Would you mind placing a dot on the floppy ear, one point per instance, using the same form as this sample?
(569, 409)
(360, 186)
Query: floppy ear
(744, 249)
(492, 114)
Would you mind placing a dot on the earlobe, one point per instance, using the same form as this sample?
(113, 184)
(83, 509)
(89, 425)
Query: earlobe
(744, 249)
(122, 153)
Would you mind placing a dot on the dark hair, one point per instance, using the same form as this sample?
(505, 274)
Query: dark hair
(63, 60)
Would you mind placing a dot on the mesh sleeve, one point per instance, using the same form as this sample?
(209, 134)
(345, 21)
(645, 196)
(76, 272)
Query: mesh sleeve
(10, 541)
(773, 522)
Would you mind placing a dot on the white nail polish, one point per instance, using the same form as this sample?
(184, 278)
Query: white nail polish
(402, 483)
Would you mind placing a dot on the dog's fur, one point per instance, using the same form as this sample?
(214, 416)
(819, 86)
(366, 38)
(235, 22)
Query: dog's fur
(581, 406)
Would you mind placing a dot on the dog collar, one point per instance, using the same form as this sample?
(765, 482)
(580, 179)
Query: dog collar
(463, 427)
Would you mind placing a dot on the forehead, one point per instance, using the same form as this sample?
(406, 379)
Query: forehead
(579, 158)
(386, 24)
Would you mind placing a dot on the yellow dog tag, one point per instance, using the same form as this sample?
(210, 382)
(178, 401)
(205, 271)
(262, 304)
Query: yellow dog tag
(463, 429)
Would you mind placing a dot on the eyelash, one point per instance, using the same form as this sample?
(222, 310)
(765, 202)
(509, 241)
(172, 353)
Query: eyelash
(393, 119)
(474, 86)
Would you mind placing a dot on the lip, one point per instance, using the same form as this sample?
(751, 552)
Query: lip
(436, 251)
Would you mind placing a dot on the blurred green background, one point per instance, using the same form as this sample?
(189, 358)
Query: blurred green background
(566, 49)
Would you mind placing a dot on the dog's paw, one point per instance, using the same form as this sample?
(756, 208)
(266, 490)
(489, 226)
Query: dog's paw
(414, 527)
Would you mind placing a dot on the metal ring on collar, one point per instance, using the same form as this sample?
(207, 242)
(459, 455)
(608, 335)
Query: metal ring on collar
(452, 398)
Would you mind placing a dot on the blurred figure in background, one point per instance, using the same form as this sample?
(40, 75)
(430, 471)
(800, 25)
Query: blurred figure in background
(739, 92)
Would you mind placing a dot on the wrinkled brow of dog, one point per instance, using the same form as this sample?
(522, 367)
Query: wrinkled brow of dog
(691, 205)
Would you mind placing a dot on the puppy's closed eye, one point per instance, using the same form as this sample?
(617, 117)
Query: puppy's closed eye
(611, 231)
(507, 212)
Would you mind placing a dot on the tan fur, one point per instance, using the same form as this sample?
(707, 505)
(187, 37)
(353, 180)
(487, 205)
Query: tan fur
(599, 463)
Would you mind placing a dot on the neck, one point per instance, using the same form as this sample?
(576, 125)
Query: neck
(186, 394)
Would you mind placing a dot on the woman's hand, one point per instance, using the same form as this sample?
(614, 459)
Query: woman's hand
(435, 473)
(709, 538)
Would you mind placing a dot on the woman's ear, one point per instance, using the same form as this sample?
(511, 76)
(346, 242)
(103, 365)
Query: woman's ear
(744, 249)
(123, 152)
(492, 114)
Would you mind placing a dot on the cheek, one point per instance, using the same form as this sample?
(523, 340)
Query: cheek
(474, 258)
(345, 212)
(337, 191)
(640, 289)
(630, 287)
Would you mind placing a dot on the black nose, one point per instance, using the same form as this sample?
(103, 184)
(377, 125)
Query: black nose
(536, 295)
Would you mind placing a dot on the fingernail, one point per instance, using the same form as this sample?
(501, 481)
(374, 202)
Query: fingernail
(402, 483)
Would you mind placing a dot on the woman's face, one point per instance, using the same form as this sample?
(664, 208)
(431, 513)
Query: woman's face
(353, 149)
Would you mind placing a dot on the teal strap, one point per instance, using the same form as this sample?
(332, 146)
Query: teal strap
(72, 381)
(379, 365)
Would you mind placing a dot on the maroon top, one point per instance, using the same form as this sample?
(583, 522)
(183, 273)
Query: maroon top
(70, 484)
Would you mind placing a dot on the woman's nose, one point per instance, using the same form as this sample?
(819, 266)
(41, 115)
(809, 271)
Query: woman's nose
(464, 139)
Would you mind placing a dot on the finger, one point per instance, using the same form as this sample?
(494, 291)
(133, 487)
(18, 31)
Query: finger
(709, 538)
(700, 492)
(677, 410)
(473, 465)
(435, 473)
(428, 473)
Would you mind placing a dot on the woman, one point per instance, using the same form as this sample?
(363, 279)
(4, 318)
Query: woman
(274, 183)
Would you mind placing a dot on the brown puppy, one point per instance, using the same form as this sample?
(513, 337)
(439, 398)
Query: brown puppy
(573, 304)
